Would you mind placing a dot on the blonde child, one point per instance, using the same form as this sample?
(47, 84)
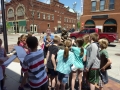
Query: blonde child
(105, 60)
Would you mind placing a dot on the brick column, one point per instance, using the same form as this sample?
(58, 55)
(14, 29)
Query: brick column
(98, 5)
(107, 5)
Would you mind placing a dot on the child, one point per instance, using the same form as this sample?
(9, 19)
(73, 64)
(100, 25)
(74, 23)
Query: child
(3, 55)
(65, 59)
(85, 84)
(47, 44)
(93, 61)
(105, 61)
(78, 67)
(33, 67)
(51, 61)
(41, 42)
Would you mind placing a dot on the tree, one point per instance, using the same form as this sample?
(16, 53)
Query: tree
(8, 25)
(78, 24)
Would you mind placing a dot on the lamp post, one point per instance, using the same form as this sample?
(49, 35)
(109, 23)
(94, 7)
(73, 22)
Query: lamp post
(4, 26)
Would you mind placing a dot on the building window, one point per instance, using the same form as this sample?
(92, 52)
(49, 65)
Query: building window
(67, 19)
(43, 16)
(93, 5)
(111, 4)
(52, 17)
(48, 16)
(48, 25)
(60, 18)
(102, 4)
(64, 19)
(20, 11)
(38, 15)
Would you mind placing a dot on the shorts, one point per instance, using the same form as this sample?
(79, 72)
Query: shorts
(52, 72)
(74, 69)
(63, 77)
(93, 76)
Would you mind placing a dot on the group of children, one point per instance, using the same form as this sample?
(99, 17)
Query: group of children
(83, 58)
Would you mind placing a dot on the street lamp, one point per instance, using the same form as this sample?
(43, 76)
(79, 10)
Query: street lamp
(4, 26)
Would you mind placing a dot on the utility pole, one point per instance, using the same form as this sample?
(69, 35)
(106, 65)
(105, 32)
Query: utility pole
(32, 14)
(4, 26)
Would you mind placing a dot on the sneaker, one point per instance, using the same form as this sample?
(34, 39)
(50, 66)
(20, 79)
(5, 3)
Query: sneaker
(21, 77)
(27, 85)
(20, 88)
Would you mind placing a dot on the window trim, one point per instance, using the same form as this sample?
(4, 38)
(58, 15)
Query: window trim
(94, 6)
(111, 4)
(102, 5)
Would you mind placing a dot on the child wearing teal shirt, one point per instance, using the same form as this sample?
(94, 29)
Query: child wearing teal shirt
(78, 67)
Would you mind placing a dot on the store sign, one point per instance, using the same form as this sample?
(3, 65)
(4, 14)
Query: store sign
(100, 17)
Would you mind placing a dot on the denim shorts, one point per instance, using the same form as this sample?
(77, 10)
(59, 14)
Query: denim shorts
(63, 77)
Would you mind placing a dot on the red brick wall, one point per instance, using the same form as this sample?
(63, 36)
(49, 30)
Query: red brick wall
(114, 14)
(45, 8)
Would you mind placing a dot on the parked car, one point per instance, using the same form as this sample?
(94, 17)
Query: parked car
(58, 31)
(71, 30)
(111, 37)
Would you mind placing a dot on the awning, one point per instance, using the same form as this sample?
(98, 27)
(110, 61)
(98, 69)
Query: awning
(10, 23)
(110, 25)
(89, 25)
(22, 23)
(110, 21)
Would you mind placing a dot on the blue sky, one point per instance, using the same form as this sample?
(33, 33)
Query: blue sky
(66, 2)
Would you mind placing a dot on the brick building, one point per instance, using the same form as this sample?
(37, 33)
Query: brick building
(35, 16)
(103, 14)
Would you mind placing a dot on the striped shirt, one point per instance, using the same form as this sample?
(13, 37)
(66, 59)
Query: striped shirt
(34, 65)
(64, 65)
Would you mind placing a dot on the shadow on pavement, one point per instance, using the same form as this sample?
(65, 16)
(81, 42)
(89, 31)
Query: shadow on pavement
(12, 79)
(118, 81)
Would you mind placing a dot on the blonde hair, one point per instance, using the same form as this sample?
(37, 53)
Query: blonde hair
(67, 45)
(94, 37)
(103, 43)
(86, 37)
(56, 39)
(48, 37)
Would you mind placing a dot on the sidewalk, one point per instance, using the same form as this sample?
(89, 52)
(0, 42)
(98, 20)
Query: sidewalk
(13, 75)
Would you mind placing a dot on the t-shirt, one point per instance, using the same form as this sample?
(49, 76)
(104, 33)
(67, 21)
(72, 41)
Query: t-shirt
(51, 36)
(64, 65)
(34, 65)
(78, 59)
(53, 49)
(46, 48)
(103, 56)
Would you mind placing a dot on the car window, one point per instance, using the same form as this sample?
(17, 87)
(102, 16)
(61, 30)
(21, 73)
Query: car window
(91, 30)
(83, 31)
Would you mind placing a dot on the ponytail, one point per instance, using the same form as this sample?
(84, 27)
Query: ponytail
(66, 52)
(82, 52)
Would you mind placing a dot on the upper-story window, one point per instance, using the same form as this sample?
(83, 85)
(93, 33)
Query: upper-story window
(48, 16)
(20, 11)
(93, 6)
(10, 13)
(43, 16)
(38, 14)
(111, 4)
(102, 4)
(52, 17)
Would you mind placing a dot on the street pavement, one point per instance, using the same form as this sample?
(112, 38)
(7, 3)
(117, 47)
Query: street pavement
(13, 70)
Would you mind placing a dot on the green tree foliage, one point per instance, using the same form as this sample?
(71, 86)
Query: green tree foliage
(78, 24)
(7, 25)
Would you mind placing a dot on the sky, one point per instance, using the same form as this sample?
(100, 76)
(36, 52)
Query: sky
(65, 2)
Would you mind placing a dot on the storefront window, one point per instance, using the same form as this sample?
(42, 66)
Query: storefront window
(111, 4)
(93, 6)
(102, 4)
